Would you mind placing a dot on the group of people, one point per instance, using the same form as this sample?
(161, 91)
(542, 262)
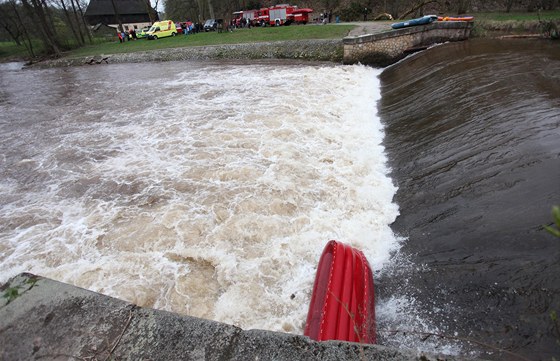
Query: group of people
(325, 18)
(189, 27)
(125, 36)
(241, 23)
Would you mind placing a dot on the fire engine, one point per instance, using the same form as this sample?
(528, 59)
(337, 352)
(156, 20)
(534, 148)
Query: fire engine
(277, 15)
(249, 16)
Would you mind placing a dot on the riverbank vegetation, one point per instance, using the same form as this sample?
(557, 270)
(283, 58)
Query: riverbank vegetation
(36, 29)
(238, 36)
(546, 23)
(556, 217)
(357, 10)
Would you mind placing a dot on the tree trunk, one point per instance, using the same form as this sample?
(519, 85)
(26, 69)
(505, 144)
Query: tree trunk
(10, 24)
(84, 23)
(15, 37)
(211, 9)
(150, 11)
(395, 9)
(509, 4)
(201, 12)
(77, 19)
(71, 23)
(415, 7)
(36, 13)
(27, 38)
(117, 17)
(12, 35)
(48, 16)
(155, 14)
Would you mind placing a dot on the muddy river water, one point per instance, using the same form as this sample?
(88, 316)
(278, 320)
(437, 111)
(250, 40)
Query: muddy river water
(473, 138)
(210, 188)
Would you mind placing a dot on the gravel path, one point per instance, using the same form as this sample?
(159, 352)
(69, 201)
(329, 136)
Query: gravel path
(369, 27)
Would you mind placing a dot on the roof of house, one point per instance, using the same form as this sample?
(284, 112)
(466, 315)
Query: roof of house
(124, 7)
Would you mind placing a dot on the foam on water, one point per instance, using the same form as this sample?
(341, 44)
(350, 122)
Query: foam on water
(11, 66)
(199, 189)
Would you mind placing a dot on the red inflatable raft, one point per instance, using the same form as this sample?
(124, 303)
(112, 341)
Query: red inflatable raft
(342, 304)
(460, 18)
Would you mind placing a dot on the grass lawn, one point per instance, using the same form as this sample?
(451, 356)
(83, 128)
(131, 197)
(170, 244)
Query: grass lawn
(519, 16)
(238, 36)
(514, 23)
(9, 50)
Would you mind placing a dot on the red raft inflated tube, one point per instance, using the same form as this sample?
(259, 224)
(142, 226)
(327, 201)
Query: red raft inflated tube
(343, 301)
(459, 18)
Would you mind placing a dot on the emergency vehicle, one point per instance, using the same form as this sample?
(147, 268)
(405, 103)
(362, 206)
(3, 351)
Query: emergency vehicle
(276, 15)
(250, 16)
(161, 29)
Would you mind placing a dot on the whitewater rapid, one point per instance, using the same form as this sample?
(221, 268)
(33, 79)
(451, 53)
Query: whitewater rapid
(205, 189)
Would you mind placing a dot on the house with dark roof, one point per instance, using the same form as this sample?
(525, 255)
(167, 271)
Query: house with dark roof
(131, 13)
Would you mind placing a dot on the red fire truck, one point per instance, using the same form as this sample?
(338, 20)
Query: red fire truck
(247, 16)
(275, 15)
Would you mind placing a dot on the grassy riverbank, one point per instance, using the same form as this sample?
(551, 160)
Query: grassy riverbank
(519, 16)
(486, 25)
(515, 23)
(239, 36)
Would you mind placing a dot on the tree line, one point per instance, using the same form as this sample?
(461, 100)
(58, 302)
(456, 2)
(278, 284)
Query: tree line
(350, 10)
(44, 26)
(53, 26)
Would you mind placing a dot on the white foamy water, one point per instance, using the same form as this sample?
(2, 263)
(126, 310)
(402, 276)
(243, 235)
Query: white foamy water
(202, 189)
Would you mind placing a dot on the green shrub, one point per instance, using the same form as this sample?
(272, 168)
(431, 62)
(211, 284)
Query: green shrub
(556, 217)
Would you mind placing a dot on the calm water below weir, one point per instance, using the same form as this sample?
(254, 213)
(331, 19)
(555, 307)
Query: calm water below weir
(210, 189)
(473, 138)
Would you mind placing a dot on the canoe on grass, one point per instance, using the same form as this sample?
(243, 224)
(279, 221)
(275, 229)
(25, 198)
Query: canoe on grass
(414, 22)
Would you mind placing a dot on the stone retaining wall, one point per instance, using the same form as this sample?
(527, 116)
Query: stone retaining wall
(314, 50)
(386, 48)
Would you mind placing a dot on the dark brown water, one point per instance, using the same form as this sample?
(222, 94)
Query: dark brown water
(473, 138)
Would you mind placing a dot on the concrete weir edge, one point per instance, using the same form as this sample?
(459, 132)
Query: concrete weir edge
(45, 319)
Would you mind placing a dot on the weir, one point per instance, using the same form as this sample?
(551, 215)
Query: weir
(385, 48)
(42, 318)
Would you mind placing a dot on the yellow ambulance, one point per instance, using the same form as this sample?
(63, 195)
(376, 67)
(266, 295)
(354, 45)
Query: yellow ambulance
(161, 29)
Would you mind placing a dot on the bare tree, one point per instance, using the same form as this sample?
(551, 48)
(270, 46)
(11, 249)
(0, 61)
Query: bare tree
(36, 12)
(19, 22)
(47, 10)
(117, 17)
(10, 23)
(211, 9)
(150, 10)
(11, 30)
(416, 6)
(201, 12)
(79, 40)
(77, 20)
(156, 4)
(83, 21)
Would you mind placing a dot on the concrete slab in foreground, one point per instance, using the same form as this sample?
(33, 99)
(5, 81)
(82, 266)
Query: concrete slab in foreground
(48, 320)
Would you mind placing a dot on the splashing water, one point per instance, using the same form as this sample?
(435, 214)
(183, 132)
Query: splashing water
(201, 189)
